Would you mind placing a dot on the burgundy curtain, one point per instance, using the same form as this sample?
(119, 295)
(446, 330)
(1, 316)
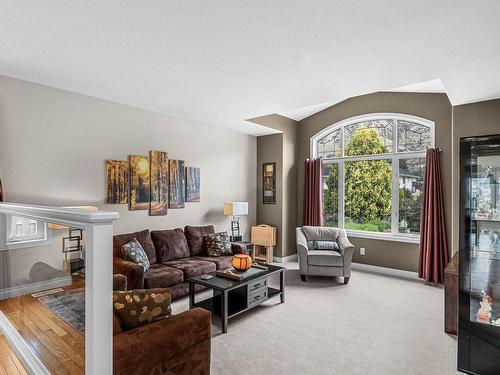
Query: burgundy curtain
(433, 251)
(313, 204)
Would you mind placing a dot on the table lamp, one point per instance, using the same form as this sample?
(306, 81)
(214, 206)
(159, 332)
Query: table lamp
(235, 209)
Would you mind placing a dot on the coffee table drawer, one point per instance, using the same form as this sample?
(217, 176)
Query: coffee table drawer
(256, 298)
(257, 286)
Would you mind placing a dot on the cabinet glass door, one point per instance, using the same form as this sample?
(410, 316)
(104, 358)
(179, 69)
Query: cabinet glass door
(485, 241)
(479, 309)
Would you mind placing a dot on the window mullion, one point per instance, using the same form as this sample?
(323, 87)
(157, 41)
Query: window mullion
(341, 188)
(395, 142)
(395, 196)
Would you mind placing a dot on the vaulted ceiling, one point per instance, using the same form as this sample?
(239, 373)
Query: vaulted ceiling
(222, 62)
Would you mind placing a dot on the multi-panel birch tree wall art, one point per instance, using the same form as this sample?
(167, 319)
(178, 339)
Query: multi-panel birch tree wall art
(153, 183)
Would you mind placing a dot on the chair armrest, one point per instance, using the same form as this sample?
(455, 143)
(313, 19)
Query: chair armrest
(239, 248)
(179, 344)
(343, 241)
(302, 250)
(133, 272)
(347, 250)
(119, 282)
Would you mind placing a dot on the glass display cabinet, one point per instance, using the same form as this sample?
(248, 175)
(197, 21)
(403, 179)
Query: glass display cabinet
(479, 297)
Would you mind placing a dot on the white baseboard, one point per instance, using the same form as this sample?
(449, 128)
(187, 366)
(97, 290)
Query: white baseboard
(290, 258)
(21, 290)
(23, 350)
(385, 271)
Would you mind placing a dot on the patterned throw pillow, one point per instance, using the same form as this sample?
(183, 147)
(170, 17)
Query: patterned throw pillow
(134, 252)
(141, 306)
(324, 245)
(218, 244)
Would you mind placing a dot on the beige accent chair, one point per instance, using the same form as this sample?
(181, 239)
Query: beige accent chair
(324, 262)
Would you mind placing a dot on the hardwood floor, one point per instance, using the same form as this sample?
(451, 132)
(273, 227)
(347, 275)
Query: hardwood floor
(59, 346)
(9, 363)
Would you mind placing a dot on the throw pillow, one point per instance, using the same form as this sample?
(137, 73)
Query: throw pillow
(133, 252)
(141, 306)
(324, 245)
(218, 244)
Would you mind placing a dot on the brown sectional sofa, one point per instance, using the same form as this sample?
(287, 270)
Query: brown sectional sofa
(175, 256)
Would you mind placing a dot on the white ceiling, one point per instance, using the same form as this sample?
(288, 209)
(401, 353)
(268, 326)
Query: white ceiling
(221, 62)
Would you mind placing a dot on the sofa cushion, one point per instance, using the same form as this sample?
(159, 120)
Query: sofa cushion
(195, 237)
(320, 233)
(170, 244)
(133, 252)
(191, 266)
(221, 263)
(141, 306)
(218, 244)
(144, 238)
(161, 276)
(324, 258)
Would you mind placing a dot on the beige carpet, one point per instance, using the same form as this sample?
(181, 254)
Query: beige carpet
(375, 325)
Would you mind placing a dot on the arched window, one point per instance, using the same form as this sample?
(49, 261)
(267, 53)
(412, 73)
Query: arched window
(373, 174)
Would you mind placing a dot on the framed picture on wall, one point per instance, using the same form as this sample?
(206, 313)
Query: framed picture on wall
(158, 170)
(139, 182)
(177, 187)
(192, 184)
(269, 183)
(117, 184)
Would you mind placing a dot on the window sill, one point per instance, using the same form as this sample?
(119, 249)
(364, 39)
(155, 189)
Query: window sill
(27, 244)
(383, 236)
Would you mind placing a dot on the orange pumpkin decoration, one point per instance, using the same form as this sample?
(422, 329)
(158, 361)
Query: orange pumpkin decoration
(241, 262)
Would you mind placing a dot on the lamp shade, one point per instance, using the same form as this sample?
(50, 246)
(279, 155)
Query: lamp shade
(235, 208)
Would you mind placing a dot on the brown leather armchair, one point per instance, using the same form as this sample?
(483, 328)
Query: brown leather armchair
(177, 345)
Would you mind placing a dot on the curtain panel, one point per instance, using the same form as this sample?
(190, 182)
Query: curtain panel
(433, 250)
(313, 203)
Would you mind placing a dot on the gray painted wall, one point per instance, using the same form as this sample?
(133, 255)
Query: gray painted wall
(469, 120)
(287, 208)
(53, 145)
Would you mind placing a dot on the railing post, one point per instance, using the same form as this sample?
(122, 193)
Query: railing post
(98, 299)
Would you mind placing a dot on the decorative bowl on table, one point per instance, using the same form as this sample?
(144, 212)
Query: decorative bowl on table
(241, 262)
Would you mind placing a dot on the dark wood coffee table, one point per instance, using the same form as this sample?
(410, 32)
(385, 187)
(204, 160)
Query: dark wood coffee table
(231, 297)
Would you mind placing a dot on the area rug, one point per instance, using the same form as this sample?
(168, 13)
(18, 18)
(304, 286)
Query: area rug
(68, 306)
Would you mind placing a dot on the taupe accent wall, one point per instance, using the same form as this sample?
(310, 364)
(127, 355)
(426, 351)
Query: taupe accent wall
(434, 107)
(469, 120)
(270, 150)
(54, 143)
(283, 149)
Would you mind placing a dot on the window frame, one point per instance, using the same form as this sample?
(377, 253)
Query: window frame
(395, 158)
(42, 237)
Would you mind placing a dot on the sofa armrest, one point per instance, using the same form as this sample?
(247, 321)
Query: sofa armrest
(239, 248)
(347, 250)
(133, 272)
(179, 345)
(302, 250)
